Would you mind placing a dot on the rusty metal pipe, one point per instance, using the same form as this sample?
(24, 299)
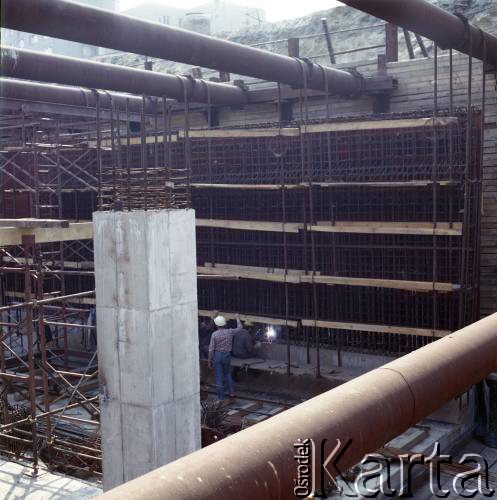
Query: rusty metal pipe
(69, 96)
(372, 409)
(30, 65)
(430, 21)
(101, 28)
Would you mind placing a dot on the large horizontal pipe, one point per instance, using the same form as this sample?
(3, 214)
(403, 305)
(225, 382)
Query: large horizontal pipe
(372, 409)
(447, 30)
(29, 65)
(70, 96)
(89, 25)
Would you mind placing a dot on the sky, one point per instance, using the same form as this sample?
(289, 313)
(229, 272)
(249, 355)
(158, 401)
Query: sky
(276, 10)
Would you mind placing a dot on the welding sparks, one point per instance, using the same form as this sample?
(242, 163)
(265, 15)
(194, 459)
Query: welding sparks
(270, 333)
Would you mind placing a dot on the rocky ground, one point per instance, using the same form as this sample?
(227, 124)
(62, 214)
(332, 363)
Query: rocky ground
(483, 13)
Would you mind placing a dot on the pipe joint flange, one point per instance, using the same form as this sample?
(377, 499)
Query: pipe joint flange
(359, 78)
(310, 68)
(84, 93)
(466, 40)
(187, 83)
(306, 70)
(111, 101)
(96, 94)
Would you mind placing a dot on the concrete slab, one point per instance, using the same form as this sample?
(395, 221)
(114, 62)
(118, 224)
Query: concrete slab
(16, 481)
(356, 361)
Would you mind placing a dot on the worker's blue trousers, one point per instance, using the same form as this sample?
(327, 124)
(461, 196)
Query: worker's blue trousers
(222, 369)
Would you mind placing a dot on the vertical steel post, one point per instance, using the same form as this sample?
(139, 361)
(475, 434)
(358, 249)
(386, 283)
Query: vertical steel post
(294, 47)
(28, 243)
(391, 42)
(327, 36)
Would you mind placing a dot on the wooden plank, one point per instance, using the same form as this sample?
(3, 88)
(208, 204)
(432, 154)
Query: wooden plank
(394, 184)
(274, 187)
(292, 131)
(379, 124)
(248, 317)
(320, 127)
(422, 228)
(247, 225)
(241, 132)
(134, 141)
(206, 271)
(299, 276)
(237, 267)
(262, 187)
(362, 327)
(371, 227)
(220, 270)
(415, 286)
(76, 231)
(33, 223)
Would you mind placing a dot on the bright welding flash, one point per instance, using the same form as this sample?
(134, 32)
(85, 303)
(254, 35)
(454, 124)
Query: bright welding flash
(270, 332)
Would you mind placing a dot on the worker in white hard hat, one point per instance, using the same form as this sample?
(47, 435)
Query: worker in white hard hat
(220, 354)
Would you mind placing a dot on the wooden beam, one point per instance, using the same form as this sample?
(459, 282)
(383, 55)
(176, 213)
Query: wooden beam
(401, 330)
(133, 141)
(372, 227)
(394, 184)
(31, 223)
(247, 225)
(275, 187)
(262, 187)
(242, 132)
(369, 227)
(380, 124)
(290, 131)
(414, 286)
(249, 273)
(295, 276)
(236, 267)
(299, 276)
(76, 231)
(84, 230)
(248, 317)
(235, 133)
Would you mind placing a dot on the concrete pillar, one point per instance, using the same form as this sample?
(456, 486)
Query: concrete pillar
(146, 289)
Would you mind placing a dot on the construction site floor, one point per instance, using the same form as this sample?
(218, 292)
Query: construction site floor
(17, 481)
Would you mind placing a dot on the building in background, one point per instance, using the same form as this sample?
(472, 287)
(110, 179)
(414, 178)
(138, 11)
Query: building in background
(157, 13)
(223, 16)
(230, 17)
(49, 45)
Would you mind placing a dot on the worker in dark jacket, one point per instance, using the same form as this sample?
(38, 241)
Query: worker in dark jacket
(205, 331)
(243, 343)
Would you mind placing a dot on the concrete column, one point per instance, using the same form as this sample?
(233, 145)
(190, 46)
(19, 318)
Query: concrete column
(146, 289)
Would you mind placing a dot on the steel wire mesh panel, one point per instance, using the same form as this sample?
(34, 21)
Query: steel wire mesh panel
(415, 177)
(311, 183)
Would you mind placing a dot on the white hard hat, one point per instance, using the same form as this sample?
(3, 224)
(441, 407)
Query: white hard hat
(220, 321)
